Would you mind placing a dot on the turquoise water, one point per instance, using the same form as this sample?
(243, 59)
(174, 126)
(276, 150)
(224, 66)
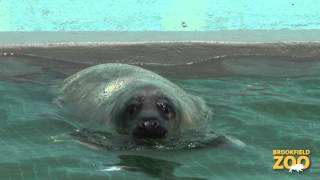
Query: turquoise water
(264, 111)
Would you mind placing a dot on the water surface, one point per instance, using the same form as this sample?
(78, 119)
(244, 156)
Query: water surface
(266, 102)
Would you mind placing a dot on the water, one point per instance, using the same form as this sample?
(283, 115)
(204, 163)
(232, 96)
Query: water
(274, 108)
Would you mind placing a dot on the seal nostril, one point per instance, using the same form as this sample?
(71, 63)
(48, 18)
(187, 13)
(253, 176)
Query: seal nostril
(156, 124)
(150, 129)
(147, 124)
(141, 125)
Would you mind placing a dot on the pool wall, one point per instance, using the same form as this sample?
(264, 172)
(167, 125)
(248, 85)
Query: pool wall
(159, 47)
(158, 31)
(168, 48)
(158, 15)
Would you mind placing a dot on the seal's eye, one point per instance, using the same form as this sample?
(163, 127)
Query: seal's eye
(131, 109)
(164, 107)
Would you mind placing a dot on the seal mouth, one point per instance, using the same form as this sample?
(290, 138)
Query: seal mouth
(150, 129)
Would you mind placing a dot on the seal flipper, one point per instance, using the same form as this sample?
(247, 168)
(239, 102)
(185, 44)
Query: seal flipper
(234, 142)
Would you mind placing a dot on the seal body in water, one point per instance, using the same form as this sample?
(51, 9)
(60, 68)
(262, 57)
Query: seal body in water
(130, 100)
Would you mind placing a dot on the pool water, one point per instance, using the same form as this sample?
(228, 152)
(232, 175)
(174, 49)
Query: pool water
(266, 105)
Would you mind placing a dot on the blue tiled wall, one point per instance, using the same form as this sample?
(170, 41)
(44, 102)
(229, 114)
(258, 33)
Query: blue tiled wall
(157, 15)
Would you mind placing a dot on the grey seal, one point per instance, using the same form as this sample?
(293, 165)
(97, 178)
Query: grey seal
(130, 100)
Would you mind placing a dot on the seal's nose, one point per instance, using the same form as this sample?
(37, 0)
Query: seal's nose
(149, 124)
(150, 128)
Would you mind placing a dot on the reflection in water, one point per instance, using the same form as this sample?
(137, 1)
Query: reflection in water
(152, 167)
(188, 139)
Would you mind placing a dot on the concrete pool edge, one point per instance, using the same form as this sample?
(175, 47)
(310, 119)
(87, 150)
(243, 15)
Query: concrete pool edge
(159, 47)
(230, 36)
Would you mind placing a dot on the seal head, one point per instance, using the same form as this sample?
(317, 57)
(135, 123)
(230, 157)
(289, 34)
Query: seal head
(147, 113)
